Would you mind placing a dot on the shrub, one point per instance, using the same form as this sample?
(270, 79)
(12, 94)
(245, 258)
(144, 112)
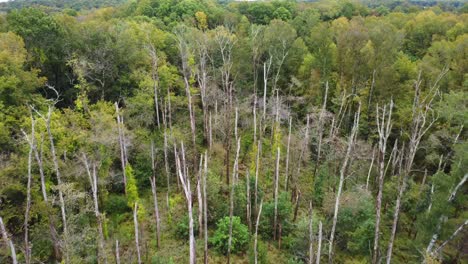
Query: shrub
(240, 236)
(182, 227)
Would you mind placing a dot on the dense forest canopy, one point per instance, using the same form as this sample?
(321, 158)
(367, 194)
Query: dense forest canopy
(167, 131)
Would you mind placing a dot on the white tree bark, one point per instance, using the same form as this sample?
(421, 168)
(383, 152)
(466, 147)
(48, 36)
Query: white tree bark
(135, 222)
(31, 142)
(275, 221)
(311, 236)
(155, 197)
(351, 140)
(8, 241)
(286, 178)
(123, 154)
(256, 232)
(92, 177)
(185, 181)
(319, 246)
(205, 208)
(384, 126)
(231, 203)
(117, 252)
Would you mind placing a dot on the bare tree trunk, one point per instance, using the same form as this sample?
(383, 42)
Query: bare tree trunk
(370, 169)
(200, 199)
(249, 205)
(205, 208)
(155, 78)
(286, 180)
(117, 252)
(257, 165)
(59, 179)
(123, 158)
(275, 222)
(30, 140)
(296, 206)
(256, 232)
(135, 222)
(168, 173)
(351, 140)
(384, 126)
(319, 246)
(305, 144)
(185, 180)
(231, 203)
(320, 130)
(155, 197)
(311, 236)
(458, 230)
(92, 177)
(53, 232)
(395, 218)
(8, 241)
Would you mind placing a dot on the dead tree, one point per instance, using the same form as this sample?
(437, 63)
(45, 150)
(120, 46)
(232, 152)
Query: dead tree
(117, 252)
(155, 78)
(458, 230)
(56, 168)
(8, 241)
(39, 154)
(286, 177)
(166, 167)
(225, 41)
(205, 208)
(370, 169)
(319, 246)
(201, 50)
(421, 112)
(123, 153)
(248, 205)
(384, 127)
(155, 197)
(185, 181)
(275, 221)
(257, 165)
(351, 141)
(305, 144)
(256, 232)
(231, 199)
(200, 198)
(31, 142)
(135, 222)
(93, 181)
(184, 52)
(311, 236)
(320, 130)
(401, 189)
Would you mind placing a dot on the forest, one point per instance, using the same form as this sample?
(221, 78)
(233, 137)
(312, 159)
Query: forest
(185, 131)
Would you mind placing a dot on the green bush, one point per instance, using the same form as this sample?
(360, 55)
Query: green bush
(182, 227)
(240, 236)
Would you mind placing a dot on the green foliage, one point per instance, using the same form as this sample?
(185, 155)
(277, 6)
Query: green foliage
(131, 188)
(284, 216)
(182, 227)
(240, 236)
